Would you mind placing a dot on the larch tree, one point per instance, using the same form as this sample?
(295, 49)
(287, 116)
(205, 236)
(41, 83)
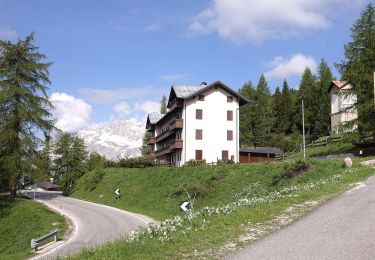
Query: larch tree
(24, 106)
(358, 68)
(323, 117)
(163, 105)
(247, 125)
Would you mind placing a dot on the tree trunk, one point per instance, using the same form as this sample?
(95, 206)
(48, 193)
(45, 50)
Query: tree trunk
(13, 192)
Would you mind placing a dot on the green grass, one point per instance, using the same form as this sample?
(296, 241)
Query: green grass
(153, 192)
(335, 148)
(22, 219)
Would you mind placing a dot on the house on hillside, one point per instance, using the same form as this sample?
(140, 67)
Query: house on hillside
(342, 109)
(202, 124)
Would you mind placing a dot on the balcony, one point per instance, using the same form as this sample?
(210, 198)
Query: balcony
(177, 104)
(177, 124)
(151, 154)
(151, 140)
(173, 145)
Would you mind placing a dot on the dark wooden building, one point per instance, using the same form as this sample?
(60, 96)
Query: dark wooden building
(258, 154)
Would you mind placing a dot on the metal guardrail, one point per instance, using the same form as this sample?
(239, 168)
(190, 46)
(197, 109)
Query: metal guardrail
(36, 241)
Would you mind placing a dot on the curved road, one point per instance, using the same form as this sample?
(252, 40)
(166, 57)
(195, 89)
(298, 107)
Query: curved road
(94, 224)
(343, 228)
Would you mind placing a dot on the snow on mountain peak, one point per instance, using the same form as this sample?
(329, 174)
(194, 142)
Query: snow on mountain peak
(114, 139)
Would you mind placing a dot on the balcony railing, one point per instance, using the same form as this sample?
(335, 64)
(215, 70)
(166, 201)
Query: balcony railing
(177, 104)
(175, 144)
(175, 124)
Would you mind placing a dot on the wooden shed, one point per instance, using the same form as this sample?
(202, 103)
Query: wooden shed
(258, 154)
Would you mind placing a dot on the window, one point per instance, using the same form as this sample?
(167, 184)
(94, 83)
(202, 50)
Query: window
(229, 135)
(229, 99)
(198, 155)
(229, 115)
(224, 155)
(198, 114)
(198, 134)
(201, 97)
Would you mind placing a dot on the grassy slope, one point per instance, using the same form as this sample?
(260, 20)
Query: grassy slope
(150, 191)
(21, 220)
(336, 148)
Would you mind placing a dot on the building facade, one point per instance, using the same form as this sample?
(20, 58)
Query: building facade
(342, 110)
(202, 124)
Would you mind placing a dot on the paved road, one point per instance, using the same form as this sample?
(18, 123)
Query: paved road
(94, 224)
(343, 228)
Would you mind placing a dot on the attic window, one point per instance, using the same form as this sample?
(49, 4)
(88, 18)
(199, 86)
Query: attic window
(229, 99)
(201, 97)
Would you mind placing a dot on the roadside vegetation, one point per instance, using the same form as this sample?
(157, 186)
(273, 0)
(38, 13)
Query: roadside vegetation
(234, 204)
(21, 220)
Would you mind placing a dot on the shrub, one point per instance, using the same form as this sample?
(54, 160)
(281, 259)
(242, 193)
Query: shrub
(92, 179)
(137, 162)
(292, 170)
(195, 163)
(225, 162)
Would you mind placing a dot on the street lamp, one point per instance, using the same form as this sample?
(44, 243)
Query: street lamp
(303, 127)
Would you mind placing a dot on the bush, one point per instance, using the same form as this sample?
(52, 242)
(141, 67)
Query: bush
(292, 170)
(225, 162)
(195, 163)
(92, 179)
(137, 162)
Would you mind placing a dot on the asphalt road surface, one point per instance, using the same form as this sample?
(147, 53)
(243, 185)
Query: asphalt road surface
(94, 224)
(343, 228)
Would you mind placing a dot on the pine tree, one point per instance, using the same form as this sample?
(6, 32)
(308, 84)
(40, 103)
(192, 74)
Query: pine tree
(71, 160)
(43, 162)
(163, 105)
(323, 118)
(288, 104)
(246, 115)
(308, 89)
(262, 113)
(145, 148)
(24, 106)
(278, 107)
(359, 66)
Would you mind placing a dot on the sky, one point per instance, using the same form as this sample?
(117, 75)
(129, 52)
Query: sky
(115, 59)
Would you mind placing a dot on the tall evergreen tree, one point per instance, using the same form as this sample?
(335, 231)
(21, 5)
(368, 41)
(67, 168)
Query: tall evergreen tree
(263, 113)
(145, 148)
(323, 118)
(308, 89)
(43, 161)
(278, 112)
(246, 115)
(359, 66)
(71, 160)
(24, 106)
(163, 105)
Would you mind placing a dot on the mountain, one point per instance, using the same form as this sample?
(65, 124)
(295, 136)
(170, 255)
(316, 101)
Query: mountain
(114, 139)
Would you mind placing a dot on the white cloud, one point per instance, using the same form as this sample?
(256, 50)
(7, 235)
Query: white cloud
(152, 27)
(172, 77)
(148, 106)
(284, 68)
(255, 21)
(122, 109)
(101, 96)
(72, 113)
(6, 33)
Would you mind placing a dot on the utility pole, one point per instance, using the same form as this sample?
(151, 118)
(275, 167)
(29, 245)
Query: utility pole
(303, 127)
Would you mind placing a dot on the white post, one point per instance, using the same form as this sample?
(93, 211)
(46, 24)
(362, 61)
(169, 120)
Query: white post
(34, 190)
(303, 129)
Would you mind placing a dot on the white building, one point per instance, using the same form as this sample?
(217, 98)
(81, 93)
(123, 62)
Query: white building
(202, 124)
(342, 109)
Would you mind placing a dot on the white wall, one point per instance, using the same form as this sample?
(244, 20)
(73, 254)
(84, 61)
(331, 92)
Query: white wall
(214, 125)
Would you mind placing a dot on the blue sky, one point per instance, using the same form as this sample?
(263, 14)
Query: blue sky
(115, 59)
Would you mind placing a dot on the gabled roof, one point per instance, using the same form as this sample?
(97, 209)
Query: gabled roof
(340, 84)
(190, 91)
(153, 118)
